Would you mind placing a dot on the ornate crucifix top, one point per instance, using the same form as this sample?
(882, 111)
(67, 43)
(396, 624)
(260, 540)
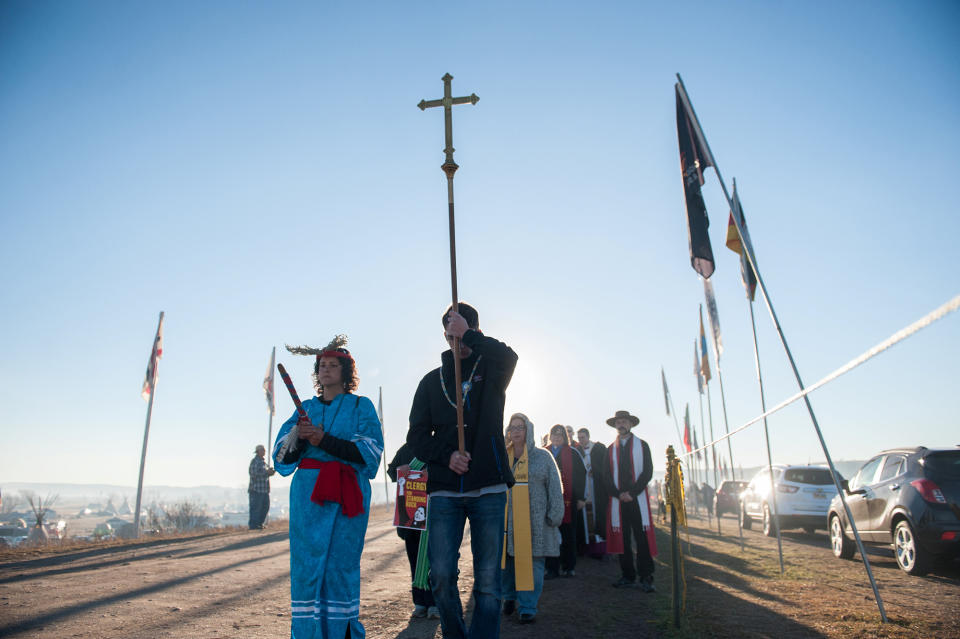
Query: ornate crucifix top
(447, 101)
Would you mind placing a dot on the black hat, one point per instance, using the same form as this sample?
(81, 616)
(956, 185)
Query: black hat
(624, 414)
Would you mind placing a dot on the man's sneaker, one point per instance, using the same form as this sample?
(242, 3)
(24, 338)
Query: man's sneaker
(419, 612)
(508, 607)
(433, 612)
(568, 573)
(623, 582)
(646, 584)
(550, 574)
(526, 617)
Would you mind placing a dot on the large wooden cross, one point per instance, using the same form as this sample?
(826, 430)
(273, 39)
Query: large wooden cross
(450, 167)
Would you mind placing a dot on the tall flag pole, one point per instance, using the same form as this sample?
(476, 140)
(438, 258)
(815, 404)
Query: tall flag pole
(450, 167)
(271, 402)
(147, 392)
(688, 441)
(668, 403)
(714, 314)
(698, 362)
(748, 251)
(386, 481)
(706, 374)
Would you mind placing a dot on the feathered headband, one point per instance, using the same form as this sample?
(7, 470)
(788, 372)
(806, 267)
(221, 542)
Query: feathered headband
(334, 349)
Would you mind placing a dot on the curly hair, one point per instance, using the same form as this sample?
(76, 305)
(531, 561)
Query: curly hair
(348, 374)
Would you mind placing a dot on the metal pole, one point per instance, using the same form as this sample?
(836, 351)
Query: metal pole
(713, 453)
(146, 431)
(766, 435)
(383, 430)
(273, 359)
(703, 442)
(676, 423)
(793, 365)
(726, 425)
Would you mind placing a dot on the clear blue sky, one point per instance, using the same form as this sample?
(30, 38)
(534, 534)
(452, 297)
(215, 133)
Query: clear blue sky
(260, 172)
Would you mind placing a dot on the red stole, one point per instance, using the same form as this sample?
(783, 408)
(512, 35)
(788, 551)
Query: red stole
(614, 519)
(566, 478)
(336, 482)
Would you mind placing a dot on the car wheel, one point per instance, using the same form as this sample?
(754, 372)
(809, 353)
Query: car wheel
(768, 528)
(745, 521)
(911, 559)
(842, 547)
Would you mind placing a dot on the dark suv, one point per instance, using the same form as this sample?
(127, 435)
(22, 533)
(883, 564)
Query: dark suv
(727, 499)
(907, 499)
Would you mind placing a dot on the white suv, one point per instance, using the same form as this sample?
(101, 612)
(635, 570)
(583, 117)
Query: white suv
(803, 498)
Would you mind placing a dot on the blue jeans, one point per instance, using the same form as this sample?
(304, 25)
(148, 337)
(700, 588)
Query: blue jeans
(259, 506)
(446, 517)
(526, 599)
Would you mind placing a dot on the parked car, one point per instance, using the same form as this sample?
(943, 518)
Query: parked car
(906, 499)
(13, 535)
(727, 499)
(803, 498)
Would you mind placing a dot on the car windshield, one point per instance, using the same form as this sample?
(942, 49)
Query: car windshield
(732, 486)
(814, 476)
(942, 466)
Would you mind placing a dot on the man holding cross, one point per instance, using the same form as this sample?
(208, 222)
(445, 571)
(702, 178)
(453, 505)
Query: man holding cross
(468, 484)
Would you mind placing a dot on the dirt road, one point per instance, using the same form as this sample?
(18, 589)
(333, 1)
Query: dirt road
(236, 584)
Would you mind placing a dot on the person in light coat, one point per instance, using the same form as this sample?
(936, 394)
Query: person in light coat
(546, 514)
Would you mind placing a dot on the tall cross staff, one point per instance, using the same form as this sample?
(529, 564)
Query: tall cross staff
(450, 167)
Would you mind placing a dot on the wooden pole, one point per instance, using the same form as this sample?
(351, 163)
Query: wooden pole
(449, 168)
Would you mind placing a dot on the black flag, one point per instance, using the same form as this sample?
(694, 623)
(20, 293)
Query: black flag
(694, 158)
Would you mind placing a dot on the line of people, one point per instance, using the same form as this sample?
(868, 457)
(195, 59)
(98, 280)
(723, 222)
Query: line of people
(526, 505)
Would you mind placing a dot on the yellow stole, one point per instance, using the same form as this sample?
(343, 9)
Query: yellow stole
(522, 542)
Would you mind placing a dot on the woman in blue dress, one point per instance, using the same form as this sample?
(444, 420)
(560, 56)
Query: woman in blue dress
(335, 452)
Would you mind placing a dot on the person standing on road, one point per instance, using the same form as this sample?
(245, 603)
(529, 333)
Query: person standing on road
(573, 477)
(594, 515)
(532, 532)
(259, 488)
(465, 486)
(423, 604)
(629, 468)
(335, 451)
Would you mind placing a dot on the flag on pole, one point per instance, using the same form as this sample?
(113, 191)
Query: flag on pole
(150, 379)
(687, 442)
(380, 406)
(268, 382)
(696, 367)
(714, 316)
(666, 392)
(704, 359)
(694, 158)
(695, 444)
(736, 244)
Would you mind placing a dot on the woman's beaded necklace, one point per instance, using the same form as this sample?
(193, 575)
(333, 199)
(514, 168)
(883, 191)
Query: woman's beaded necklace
(323, 417)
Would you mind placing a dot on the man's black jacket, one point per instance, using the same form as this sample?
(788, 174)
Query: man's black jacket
(433, 419)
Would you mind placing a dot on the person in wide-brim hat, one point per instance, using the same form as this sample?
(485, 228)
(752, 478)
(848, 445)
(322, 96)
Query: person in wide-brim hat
(623, 414)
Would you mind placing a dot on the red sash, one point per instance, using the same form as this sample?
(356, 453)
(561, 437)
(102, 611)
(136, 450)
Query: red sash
(566, 478)
(336, 482)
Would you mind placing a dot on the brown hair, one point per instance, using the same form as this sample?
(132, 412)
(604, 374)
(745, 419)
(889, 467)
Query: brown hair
(348, 374)
(560, 428)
